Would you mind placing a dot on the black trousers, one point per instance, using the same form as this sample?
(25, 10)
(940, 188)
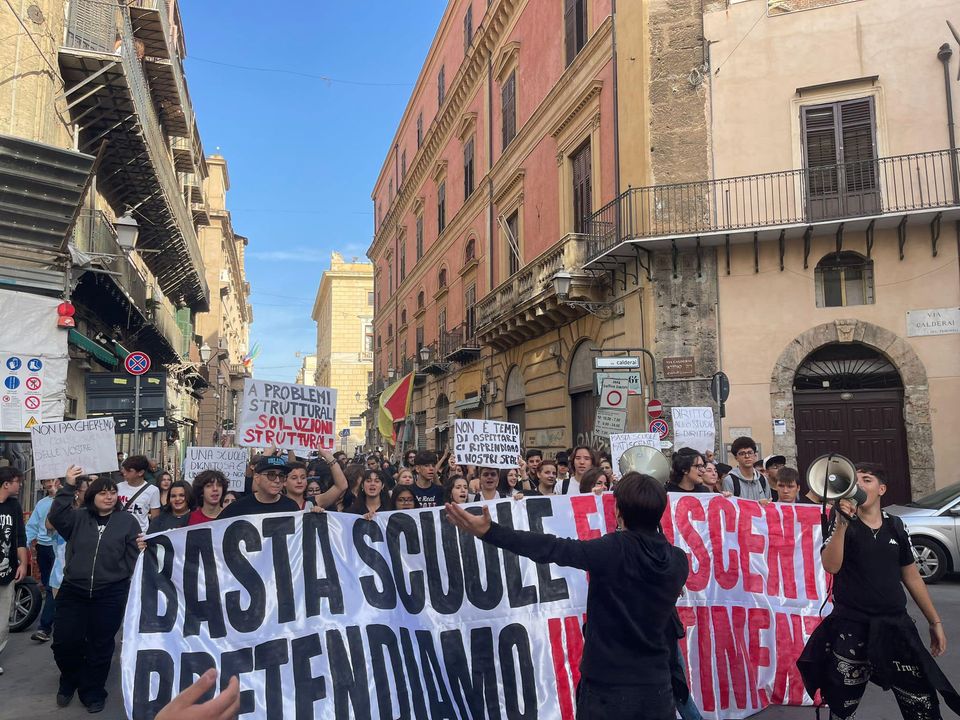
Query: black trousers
(84, 638)
(625, 702)
(46, 559)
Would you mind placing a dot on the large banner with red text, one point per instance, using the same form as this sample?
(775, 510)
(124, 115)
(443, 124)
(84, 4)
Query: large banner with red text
(330, 615)
(286, 416)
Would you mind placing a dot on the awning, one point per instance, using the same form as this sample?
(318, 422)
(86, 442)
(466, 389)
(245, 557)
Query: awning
(93, 347)
(470, 403)
(120, 350)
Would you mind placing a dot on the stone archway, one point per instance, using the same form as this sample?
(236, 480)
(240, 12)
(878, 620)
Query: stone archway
(916, 392)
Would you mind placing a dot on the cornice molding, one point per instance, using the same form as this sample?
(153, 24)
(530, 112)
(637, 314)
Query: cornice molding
(508, 187)
(575, 107)
(440, 171)
(468, 123)
(507, 59)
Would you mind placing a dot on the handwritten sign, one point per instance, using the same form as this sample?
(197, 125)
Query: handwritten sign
(232, 462)
(621, 442)
(90, 444)
(301, 418)
(693, 428)
(487, 443)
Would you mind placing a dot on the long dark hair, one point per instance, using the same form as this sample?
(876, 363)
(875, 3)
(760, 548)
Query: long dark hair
(400, 491)
(361, 498)
(94, 488)
(504, 486)
(683, 460)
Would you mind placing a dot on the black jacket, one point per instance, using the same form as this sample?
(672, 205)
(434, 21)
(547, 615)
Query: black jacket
(94, 561)
(166, 520)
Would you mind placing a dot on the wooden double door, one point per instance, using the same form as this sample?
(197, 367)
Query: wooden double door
(866, 427)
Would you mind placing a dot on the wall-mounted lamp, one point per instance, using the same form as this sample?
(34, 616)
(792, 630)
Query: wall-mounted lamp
(562, 281)
(127, 231)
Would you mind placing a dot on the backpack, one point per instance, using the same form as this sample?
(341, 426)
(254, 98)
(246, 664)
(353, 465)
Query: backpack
(736, 484)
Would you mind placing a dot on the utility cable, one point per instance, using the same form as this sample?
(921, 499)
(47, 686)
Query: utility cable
(284, 71)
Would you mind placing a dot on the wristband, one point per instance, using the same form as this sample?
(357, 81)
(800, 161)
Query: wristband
(938, 622)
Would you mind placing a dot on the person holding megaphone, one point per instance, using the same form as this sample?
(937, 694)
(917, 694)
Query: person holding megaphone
(869, 636)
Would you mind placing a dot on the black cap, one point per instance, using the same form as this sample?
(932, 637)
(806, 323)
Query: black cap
(270, 463)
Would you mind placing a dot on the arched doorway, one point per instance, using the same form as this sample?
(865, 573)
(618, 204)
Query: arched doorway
(848, 398)
(515, 399)
(583, 399)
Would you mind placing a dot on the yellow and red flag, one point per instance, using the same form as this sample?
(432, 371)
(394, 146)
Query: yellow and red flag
(394, 406)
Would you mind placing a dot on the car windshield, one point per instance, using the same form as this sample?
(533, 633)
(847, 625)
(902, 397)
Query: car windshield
(936, 500)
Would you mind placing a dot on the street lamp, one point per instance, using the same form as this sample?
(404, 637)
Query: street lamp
(127, 231)
(205, 352)
(425, 354)
(562, 281)
(391, 373)
(561, 284)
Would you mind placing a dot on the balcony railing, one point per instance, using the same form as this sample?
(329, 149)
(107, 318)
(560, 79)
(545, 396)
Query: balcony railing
(164, 318)
(884, 186)
(460, 344)
(95, 235)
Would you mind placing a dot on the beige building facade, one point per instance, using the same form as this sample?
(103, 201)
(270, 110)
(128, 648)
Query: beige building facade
(307, 374)
(343, 311)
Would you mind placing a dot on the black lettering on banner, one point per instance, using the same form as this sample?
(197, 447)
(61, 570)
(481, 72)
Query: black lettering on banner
(402, 524)
(441, 707)
(514, 649)
(270, 656)
(316, 534)
(307, 688)
(551, 588)
(192, 666)
(349, 675)
(238, 662)
(518, 594)
(277, 529)
(480, 597)
(150, 663)
(449, 602)
(199, 549)
(380, 638)
(471, 683)
(157, 580)
(385, 599)
(243, 531)
(413, 673)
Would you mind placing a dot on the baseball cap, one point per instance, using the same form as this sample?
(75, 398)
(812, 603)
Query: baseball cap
(770, 459)
(270, 463)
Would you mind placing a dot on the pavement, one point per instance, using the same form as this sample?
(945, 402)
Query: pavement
(29, 683)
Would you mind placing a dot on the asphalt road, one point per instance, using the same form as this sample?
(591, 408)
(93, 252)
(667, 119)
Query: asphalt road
(29, 682)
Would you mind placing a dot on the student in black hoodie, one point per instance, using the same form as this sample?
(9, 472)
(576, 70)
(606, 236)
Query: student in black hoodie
(101, 554)
(635, 579)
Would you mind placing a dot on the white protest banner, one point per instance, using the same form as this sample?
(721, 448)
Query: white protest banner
(621, 442)
(488, 443)
(292, 417)
(328, 615)
(89, 444)
(693, 428)
(232, 462)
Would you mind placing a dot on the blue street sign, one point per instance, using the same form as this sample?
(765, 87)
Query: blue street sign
(34, 364)
(14, 363)
(12, 382)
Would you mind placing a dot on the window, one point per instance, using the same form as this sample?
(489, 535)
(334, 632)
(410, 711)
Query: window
(403, 316)
(844, 279)
(574, 27)
(419, 340)
(441, 206)
(441, 86)
(468, 185)
(389, 330)
(469, 300)
(513, 242)
(378, 305)
(442, 321)
(442, 278)
(379, 214)
(379, 342)
(390, 190)
(368, 337)
(369, 298)
(420, 300)
(390, 278)
(403, 166)
(471, 250)
(467, 30)
(403, 261)
(515, 398)
(419, 130)
(508, 108)
(419, 237)
(582, 187)
(840, 153)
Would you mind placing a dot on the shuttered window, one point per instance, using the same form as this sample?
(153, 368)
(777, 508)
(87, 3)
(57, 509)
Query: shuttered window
(419, 130)
(468, 183)
(467, 30)
(441, 207)
(469, 300)
(513, 242)
(508, 104)
(419, 339)
(441, 86)
(419, 237)
(403, 260)
(574, 27)
(403, 166)
(582, 187)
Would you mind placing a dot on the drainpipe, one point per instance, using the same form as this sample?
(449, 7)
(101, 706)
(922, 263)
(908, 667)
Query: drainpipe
(944, 55)
(616, 110)
(486, 405)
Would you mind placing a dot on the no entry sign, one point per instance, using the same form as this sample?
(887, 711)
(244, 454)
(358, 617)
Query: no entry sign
(660, 427)
(654, 409)
(137, 363)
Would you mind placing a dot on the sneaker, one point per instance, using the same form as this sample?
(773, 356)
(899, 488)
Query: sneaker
(63, 699)
(96, 706)
(41, 636)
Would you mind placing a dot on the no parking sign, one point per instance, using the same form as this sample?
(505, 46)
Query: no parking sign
(660, 427)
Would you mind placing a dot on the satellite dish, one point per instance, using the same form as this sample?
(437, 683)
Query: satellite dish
(646, 460)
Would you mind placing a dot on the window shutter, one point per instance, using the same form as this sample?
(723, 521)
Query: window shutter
(858, 144)
(441, 207)
(509, 108)
(441, 86)
(570, 29)
(582, 204)
(467, 30)
(468, 169)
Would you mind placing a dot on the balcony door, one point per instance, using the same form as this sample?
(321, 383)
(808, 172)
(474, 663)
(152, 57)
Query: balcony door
(840, 158)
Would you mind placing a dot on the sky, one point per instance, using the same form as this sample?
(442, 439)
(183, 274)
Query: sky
(302, 152)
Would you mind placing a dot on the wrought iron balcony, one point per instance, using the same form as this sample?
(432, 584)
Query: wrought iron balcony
(526, 304)
(889, 191)
(108, 95)
(94, 235)
(460, 344)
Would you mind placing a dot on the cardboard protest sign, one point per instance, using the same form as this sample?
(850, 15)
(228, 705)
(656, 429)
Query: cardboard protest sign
(693, 428)
(329, 615)
(232, 462)
(621, 442)
(89, 444)
(301, 418)
(489, 443)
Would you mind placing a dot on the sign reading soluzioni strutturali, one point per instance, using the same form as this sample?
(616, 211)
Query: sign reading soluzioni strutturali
(292, 417)
(329, 615)
(487, 443)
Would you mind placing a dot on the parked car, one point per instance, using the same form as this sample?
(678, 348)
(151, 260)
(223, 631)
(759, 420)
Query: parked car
(934, 526)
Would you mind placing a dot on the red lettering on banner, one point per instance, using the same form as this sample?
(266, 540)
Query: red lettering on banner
(758, 621)
(790, 642)
(780, 550)
(729, 662)
(810, 623)
(566, 649)
(686, 507)
(705, 657)
(583, 507)
(610, 511)
(574, 632)
(750, 544)
(722, 516)
(689, 620)
(666, 522)
(808, 517)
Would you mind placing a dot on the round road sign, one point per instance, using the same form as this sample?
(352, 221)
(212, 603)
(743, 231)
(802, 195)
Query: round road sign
(654, 409)
(31, 402)
(33, 383)
(660, 427)
(137, 363)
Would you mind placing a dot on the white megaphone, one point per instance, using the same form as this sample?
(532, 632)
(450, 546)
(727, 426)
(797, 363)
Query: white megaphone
(834, 478)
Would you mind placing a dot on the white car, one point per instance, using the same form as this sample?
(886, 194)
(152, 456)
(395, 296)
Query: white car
(934, 526)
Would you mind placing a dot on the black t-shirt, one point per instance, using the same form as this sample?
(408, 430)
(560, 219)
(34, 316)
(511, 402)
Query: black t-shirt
(428, 497)
(13, 535)
(869, 579)
(249, 505)
(675, 487)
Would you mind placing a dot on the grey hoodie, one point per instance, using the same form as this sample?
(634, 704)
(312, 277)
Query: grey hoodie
(753, 488)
